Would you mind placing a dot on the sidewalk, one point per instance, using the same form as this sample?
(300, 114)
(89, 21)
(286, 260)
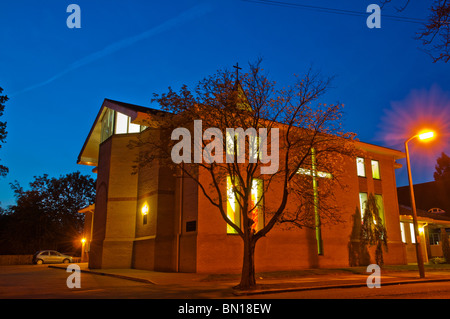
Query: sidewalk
(272, 282)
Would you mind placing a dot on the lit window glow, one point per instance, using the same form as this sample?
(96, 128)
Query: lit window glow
(412, 232)
(133, 128)
(362, 204)
(375, 169)
(257, 204)
(402, 231)
(121, 123)
(380, 205)
(233, 209)
(361, 170)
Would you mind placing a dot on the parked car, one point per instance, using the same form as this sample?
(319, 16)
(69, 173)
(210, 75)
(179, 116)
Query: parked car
(51, 257)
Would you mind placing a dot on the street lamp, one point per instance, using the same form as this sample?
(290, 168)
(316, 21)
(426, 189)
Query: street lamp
(422, 136)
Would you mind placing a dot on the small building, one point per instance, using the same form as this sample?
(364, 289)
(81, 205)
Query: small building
(147, 218)
(433, 216)
(431, 226)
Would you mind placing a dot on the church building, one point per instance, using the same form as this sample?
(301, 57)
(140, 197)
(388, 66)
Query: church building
(150, 219)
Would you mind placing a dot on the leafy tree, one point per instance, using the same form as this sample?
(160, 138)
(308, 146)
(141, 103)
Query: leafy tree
(3, 133)
(249, 102)
(46, 216)
(373, 232)
(442, 168)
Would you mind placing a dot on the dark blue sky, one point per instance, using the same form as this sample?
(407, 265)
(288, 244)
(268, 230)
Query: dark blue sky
(57, 77)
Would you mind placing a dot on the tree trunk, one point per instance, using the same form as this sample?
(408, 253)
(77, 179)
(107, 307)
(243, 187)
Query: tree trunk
(248, 266)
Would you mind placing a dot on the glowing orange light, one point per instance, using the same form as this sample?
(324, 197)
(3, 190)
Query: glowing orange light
(83, 240)
(426, 135)
(144, 209)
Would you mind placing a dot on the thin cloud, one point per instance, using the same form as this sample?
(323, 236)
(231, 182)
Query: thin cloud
(184, 17)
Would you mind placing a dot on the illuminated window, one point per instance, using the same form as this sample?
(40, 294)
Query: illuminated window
(402, 231)
(257, 204)
(121, 123)
(412, 232)
(380, 205)
(107, 125)
(233, 208)
(375, 169)
(133, 128)
(360, 167)
(362, 203)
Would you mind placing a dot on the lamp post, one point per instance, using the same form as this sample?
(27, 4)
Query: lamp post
(83, 242)
(422, 136)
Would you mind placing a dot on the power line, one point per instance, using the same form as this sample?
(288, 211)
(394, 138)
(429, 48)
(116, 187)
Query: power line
(333, 10)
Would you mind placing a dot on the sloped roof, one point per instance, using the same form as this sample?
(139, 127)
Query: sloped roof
(439, 220)
(89, 152)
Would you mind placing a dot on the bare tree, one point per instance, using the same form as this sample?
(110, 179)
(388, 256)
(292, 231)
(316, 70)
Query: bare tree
(435, 33)
(309, 139)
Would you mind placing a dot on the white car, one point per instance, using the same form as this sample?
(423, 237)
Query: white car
(50, 257)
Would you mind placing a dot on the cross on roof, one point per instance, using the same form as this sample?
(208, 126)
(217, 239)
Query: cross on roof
(237, 67)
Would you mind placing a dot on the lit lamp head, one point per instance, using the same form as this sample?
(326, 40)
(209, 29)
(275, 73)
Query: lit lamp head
(83, 240)
(426, 135)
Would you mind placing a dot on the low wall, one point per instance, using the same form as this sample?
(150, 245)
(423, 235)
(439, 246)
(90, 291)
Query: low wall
(15, 259)
(23, 259)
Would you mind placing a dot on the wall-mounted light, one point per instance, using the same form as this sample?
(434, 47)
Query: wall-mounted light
(144, 209)
(421, 230)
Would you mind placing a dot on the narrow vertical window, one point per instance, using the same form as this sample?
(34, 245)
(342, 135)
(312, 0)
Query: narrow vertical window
(362, 204)
(375, 169)
(380, 205)
(412, 232)
(257, 204)
(233, 208)
(360, 167)
(402, 231)
(107, 125)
